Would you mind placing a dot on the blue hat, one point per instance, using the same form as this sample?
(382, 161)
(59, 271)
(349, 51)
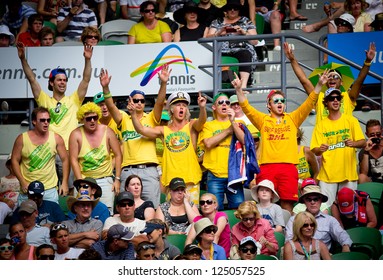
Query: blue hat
(53, 74)
(136, 91)
(150, 227)
(36, 187)
(118, 231)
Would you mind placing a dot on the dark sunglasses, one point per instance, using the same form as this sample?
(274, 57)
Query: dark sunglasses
(148, 246)
(58, 108)
(208, 202)
(233, 9)
(147, 11)
(92, 37)
(334, 77)
(89, 119)
(47, 257)
(309, 199)
(246, 249)
(307, 225)
(333, 97)
(277, 100)
(343, 23)
(85, 186)
(45, 120)
(138, 100)
(220, 102)
(378, 135)
(130, 203)
(59, 226)
(248, 219)
(149, 255)
(210, 230)
(5, 248)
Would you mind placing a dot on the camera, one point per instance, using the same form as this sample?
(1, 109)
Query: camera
(230, 29)
(375, 140)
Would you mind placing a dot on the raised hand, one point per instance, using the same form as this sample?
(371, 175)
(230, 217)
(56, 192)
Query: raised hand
(20, 50)
(323, 78)
(88, 51)
(288, 51)
(164, 74)
(370, 54)
(237, 83)
(201, 100)
(105, 78)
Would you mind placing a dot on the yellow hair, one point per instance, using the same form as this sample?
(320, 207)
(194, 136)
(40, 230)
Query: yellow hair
(87, 108)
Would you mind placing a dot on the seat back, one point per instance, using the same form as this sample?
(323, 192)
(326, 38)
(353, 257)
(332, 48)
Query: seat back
(177, 240)
(109, 43)
(116, 30)
(281, 242)
(350, 256)
(366, 240)
(231, 217)
(375, 190)
(67, 43)
(265, 258)
(63, 205)
(259, 23)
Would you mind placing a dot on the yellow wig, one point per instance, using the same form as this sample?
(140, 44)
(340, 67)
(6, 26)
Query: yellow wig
(87, 108)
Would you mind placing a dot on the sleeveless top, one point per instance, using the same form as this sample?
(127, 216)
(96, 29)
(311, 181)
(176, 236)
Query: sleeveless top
(303, 166)
(95, 162)
(139, 212)
(37, 161)
(187, 34)
(315, 254)
(179, 157)
(31, 254)
(176, 223)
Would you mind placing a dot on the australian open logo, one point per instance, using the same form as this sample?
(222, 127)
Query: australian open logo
(177, 141)
(166, 56)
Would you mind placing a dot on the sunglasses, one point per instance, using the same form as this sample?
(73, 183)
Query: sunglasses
(85, 186)
(309, 199)
(208, 202)
(45, 120)
(248, 219)
(148, 246)
(233, 9)
(89, 119)
(378, 135)
(343, 23)
(308, 225)
(246, 249)
(149, 255)
(277, 100)
(5, 248)
(92, 37)
(334, 77)
(130, 203)
(333, 97)
(59, 226)
(220, 102)
(47, 257)
(210, 230)
(135, 100)
(147, 11)
(58, 108)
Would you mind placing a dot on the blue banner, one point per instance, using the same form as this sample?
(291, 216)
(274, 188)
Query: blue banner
(353, 46)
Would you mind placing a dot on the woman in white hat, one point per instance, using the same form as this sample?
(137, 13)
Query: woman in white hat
(205, 232)
(6, 37)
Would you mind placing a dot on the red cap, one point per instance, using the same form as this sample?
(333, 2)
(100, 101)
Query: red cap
(274, 91)
(346, 200)
(307, 182)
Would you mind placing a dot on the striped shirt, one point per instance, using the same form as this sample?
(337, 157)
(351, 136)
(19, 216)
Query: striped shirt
(14, 24)
(78, 23)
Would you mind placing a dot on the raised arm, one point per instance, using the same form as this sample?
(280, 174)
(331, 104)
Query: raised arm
(83, 86)
(198, 124)
(113, 110)
(35, 86)
(357, 85)
(163, 76)
(305, 82)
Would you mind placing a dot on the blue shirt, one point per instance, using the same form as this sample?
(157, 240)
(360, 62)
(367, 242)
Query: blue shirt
(100, 212)
(124, 254)
(219, 253)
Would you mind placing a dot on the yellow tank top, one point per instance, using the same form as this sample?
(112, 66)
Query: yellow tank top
(38, 162)
(179, 157)
(303, 166)
(94, 162)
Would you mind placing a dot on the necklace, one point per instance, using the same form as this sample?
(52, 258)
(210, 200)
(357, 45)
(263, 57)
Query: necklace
(307, 254)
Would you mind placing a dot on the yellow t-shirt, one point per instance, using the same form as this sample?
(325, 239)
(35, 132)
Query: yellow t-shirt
(347, 106)
(279, 140)
(137, 149)
(180, 158)
(339, 162)
(38, 162)
(144, 35)
(218, 3)
(113, 126)
(95, 162)
(62, 113)
(303, 166)
(216, 159)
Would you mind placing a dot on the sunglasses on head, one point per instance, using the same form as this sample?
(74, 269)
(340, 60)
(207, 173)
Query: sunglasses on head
(137, 100)
(208, 202)
(248, 219)
(45, 120)
(220, 102)
(308, 225)
(91, 118)
(333, 97)
(246, 249)
(129, 203)
(92, 37)
(148, 246)
(5, 248)
(147, 11)
(210, 230)
(277, 100)
(47, 257)
(59, 226)
(309, 199)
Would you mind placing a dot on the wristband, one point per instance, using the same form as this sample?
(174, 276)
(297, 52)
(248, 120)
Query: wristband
(117, 178)
(107, 95)
(367, 63)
